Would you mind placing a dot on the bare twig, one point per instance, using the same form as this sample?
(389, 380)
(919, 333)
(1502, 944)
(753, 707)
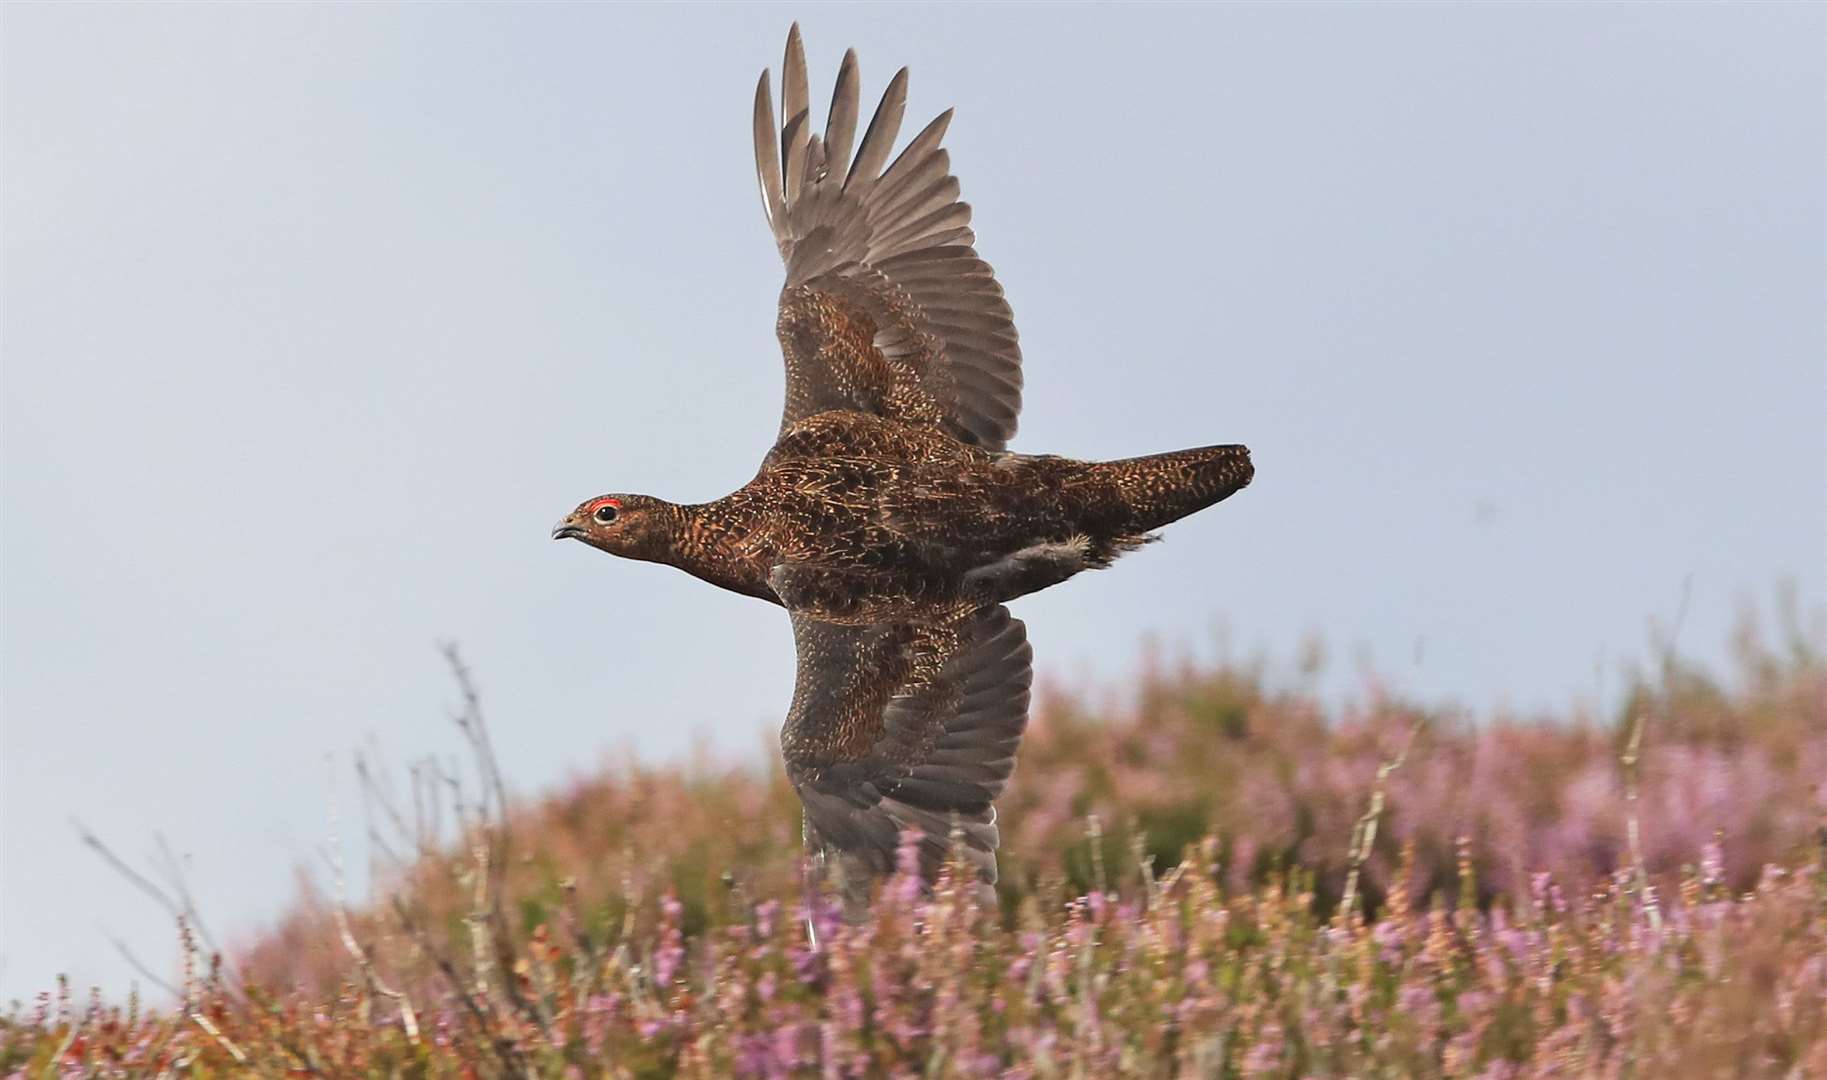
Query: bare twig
(1145, 865)
(480, 1011)
(363, 958)
(174, 875)
(304, 1062)
(450, 781)
(1094, 832)
(181, 906)
(69, 1036)
(580, 934)
(489, 843)
(478, 921)
(1646, 893)
(193, 993)
(208, 1025)
(428, 805)
(470, 721)
(1633, 747)
(144, 971)
(134, 877)
(373, 796)
(1364, 833)
(177, 1066)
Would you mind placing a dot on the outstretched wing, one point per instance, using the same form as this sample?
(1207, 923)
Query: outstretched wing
(887, 309)
(897, 726)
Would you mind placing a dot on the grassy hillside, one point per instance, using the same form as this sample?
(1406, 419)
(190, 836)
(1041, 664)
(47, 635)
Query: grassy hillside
(1171, 905)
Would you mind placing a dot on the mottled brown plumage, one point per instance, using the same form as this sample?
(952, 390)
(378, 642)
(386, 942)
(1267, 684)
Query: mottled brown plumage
(888, 519)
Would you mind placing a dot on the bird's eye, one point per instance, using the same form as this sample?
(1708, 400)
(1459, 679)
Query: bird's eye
(604, 514)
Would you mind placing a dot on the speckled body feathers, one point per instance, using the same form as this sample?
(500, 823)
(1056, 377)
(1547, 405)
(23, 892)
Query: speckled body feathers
(854, 518)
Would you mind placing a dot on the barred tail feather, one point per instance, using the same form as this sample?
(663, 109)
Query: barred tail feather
(1158, 489)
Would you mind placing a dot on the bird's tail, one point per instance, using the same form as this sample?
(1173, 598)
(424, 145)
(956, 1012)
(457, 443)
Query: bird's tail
(1142, 494)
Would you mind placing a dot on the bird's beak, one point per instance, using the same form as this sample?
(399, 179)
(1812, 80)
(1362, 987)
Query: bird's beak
(565, 530)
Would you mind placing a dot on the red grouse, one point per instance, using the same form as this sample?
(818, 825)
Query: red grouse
(888, 519)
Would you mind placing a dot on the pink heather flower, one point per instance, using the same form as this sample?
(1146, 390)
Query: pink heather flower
(670, 954)
(786, 1047)
(653, 1027)
(1421, 1004)
(1264, 1056)
(1712, 864)
(848, 1010)
(808, 965)
(752, 1055)
(1473, 1003)
(1538, 890)
(828, 919)
(907, 886)
(765, 914)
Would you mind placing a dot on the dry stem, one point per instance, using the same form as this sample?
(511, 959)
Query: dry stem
(363, 958)
(1364, 833)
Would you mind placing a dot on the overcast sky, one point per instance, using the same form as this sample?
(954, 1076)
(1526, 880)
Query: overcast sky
(316, 318)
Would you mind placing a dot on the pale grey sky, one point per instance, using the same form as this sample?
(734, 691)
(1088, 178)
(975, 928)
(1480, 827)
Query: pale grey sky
(317, 317)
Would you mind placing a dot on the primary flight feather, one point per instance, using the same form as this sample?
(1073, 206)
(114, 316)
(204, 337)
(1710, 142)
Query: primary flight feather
(888, 519)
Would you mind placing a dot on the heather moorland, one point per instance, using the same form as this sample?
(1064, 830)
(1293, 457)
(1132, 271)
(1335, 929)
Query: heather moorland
(1204, 874)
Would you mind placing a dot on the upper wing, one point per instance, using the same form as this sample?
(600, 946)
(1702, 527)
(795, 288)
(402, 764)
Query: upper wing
(896, 726)
(887, 309)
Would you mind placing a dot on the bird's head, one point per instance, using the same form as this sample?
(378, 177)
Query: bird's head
(632, 526)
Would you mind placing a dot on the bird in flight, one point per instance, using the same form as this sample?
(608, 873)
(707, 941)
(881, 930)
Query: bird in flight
(888, 519)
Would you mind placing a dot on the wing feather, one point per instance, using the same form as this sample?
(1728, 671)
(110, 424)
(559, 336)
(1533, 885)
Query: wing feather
(767, 161)
(878, 138)
(922, 162)
(795, 100)
(840, 124)
(793, 144)
(895, 727)
(887, 308)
